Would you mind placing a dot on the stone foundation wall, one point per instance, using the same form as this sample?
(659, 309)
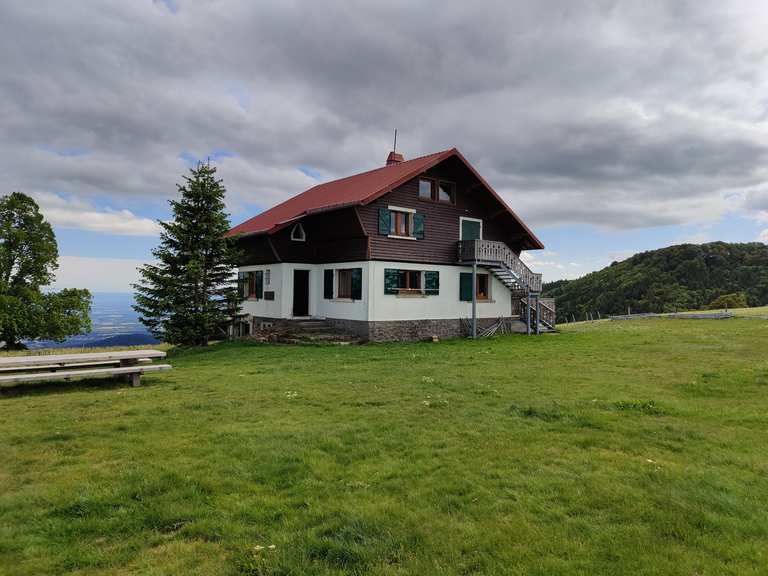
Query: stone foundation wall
(359, 328)
(414, 330)
(400, 330)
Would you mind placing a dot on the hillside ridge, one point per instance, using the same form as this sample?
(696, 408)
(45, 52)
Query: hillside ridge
(679, 277)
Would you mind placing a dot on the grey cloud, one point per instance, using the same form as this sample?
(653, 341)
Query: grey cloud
(622, 113)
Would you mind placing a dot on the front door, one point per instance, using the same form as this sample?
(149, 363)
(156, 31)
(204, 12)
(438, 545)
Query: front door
(301, 292)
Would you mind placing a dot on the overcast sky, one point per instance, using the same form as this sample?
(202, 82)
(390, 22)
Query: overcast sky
(609, 126)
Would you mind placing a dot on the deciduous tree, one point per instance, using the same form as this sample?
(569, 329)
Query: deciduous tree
(28, 261)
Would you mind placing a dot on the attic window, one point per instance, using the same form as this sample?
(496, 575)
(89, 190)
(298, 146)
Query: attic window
(437, 190)
(298, 234)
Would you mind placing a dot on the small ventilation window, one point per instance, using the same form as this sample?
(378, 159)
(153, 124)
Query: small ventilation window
(297, 234)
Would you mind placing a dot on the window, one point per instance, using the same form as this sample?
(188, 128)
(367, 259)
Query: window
(482, 287)
(344, 284)
(425, 188)
(298, 234)
(401, 223)
(445, 192)
(267, 277)
(411, 282)
(348, 284)
(252, 284)
(437, 190)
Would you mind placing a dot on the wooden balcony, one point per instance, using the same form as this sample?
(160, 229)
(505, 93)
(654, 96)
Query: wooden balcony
(493, 254)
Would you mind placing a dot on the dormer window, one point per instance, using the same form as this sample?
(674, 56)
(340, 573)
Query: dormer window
(298, 234)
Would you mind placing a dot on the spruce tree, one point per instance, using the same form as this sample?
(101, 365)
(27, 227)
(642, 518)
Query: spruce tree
(188, 295)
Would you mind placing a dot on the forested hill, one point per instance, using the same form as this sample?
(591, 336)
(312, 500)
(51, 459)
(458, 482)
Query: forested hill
(683, 277)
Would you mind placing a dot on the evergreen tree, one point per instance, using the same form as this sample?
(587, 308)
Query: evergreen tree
(189, 294)
(28, 260)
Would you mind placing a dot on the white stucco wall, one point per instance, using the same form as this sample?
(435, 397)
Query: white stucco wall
(281, 282)
(445, 305)
(343, 309)
(375, 305)
(273, 308)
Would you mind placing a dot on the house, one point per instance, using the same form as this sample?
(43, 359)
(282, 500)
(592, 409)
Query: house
(414, 249)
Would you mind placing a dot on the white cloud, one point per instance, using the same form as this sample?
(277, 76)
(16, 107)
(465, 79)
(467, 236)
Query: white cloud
(77, 213)
(763, 237)
(97, 274)
(552, 267)
(622, 114)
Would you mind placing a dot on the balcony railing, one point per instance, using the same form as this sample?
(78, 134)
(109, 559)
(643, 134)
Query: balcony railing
(492, 253)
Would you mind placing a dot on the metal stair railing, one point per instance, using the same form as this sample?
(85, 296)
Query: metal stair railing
(493, 253)
(548, 314)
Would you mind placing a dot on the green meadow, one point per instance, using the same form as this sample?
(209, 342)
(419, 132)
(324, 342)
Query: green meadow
(611, 448)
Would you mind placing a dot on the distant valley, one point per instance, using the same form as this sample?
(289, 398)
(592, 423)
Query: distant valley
(114, 323)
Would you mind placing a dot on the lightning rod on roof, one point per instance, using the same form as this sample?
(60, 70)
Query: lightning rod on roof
(394, 146)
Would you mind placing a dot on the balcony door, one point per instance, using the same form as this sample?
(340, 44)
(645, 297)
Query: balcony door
(470, 229)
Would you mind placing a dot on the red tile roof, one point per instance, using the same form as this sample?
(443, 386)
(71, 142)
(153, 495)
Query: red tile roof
(359, 189)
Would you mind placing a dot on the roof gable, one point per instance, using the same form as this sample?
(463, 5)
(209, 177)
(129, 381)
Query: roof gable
(359, 189)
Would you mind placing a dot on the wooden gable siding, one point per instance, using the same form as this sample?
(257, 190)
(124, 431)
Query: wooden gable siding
(441, 220)
(334, 236)
(256, 250)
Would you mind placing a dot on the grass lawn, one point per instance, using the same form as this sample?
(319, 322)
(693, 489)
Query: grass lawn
(612, 448)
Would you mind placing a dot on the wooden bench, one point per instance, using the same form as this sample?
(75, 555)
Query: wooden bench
(129, 364)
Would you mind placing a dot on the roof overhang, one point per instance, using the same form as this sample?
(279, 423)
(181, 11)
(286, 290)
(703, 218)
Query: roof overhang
(533, 244)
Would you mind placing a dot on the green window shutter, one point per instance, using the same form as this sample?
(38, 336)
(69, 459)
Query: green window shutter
(328, 284)
(418, 226)
(432, 283)
(242, 284)
(259, 284)
(465, 287)
(357, 283)
(391, 281)
(384, 216)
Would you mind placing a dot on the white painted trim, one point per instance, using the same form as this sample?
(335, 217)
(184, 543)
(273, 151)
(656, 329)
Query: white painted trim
(461, 220)
(303, 233)
(401, 209)
(402, 237)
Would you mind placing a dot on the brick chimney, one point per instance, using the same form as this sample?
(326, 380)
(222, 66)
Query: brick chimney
(394, 158)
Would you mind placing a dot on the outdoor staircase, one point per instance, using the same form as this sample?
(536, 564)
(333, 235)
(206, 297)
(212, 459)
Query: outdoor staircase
(522, 282)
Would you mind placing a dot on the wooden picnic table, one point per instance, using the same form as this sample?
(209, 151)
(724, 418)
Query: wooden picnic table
(129, 364)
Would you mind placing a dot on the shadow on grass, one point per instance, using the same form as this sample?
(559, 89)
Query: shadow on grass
(63, 386)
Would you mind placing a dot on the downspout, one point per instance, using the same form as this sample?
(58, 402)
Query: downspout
(474, 300)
